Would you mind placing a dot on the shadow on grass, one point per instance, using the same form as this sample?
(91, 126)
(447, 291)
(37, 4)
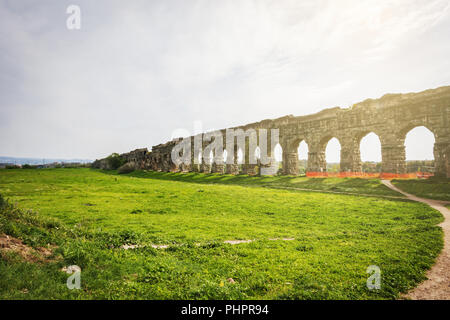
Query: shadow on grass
(344, 185)
(433, 188)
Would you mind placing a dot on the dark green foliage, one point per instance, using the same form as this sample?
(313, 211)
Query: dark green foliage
(28, 166)
(12, 167)
(115, 161)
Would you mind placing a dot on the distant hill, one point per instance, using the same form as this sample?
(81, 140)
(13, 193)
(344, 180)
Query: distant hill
(37, 161)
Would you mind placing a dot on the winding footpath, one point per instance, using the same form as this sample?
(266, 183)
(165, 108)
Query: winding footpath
(437, 286)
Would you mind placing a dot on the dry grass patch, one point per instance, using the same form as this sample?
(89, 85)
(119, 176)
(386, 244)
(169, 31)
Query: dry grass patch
(13, 245)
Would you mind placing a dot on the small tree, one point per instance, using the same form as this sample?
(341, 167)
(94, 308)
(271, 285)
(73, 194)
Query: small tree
(115, 161)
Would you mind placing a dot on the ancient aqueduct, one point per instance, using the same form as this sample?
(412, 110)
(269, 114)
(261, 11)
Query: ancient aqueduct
(391, 117)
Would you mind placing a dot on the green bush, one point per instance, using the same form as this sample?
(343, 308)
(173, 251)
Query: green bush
(12, 167)
(115, 161)
(28, 166)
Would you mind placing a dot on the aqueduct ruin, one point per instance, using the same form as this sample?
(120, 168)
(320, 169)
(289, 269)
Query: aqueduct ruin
(391, 117)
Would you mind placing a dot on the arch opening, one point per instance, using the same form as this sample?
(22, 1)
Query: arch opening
(370, 152)
(278, 154)
(333, 155)
(302, 152)
(419, 150)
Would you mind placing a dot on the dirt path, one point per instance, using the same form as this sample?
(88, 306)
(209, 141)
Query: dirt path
(437, 286)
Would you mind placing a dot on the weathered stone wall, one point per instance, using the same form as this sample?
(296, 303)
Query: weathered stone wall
(160, 158)
(101, 164)
(390, 117)
(140, 158)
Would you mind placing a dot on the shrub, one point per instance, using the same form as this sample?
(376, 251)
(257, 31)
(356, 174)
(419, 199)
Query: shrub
(2, 201)
(115, 161)
(13, 166)
(28, 166)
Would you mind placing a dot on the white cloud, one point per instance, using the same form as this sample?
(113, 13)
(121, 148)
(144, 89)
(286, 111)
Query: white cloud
(136, 71)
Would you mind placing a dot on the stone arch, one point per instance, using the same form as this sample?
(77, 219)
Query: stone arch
(393, 146)
(291, 156)
(403, 132)
(316, 153)
(324, 141)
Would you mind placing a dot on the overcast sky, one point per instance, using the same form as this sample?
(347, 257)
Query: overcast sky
(138, 70)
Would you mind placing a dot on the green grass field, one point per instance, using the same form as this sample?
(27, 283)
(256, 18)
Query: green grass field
(434, 188)
(87, 215)
(336, 185)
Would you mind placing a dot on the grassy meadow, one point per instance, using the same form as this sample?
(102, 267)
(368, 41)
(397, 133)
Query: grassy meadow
(305, 244)
(434, 188)
(333, 185)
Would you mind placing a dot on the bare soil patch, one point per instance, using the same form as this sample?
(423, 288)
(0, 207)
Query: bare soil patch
(29, 254)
